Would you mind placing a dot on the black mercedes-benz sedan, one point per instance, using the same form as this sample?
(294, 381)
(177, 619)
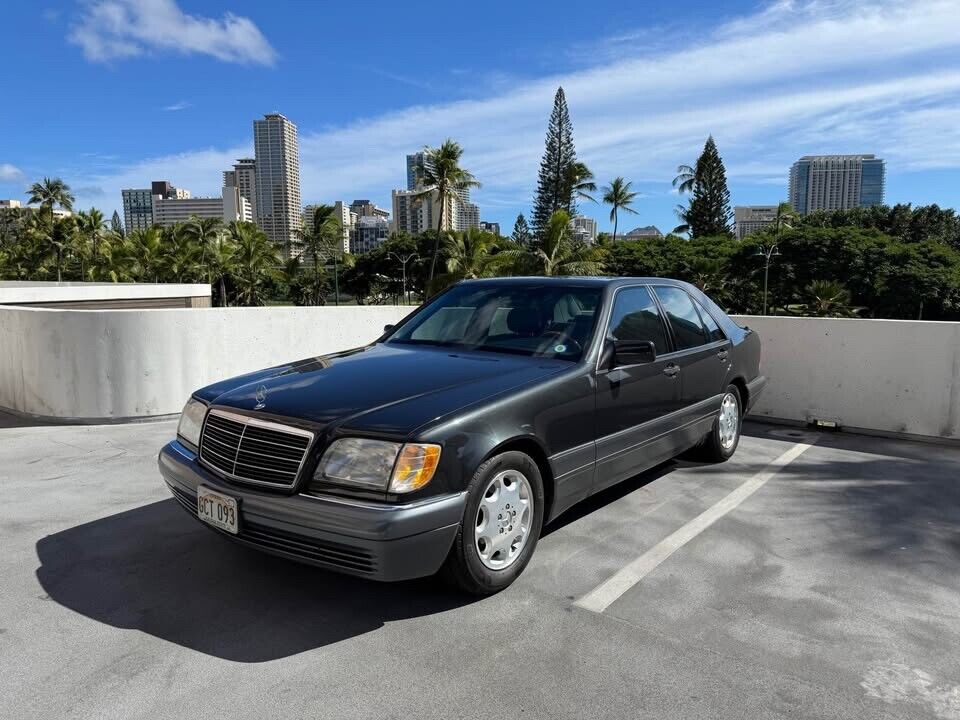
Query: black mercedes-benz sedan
(448, 443)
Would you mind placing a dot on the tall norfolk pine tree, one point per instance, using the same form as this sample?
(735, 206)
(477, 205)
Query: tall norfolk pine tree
(554, 183)
(709, 209)
(521, 231)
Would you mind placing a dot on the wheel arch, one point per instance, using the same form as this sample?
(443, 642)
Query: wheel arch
(531, 446)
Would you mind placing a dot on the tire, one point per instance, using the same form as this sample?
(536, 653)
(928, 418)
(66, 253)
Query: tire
(483, 560)
(718, 446)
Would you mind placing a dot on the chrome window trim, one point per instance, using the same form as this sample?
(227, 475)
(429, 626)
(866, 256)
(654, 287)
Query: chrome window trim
(247, 420)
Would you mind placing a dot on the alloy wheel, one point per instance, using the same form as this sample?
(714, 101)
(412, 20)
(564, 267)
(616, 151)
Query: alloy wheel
(504, 519)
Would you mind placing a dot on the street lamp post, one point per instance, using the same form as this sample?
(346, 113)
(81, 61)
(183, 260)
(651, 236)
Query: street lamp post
(766, 253)
(403, 265)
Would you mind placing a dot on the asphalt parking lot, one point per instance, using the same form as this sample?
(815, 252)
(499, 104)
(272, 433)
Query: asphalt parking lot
(830, 590)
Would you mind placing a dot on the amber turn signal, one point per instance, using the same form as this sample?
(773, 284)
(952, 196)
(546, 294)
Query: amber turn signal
(414, 467)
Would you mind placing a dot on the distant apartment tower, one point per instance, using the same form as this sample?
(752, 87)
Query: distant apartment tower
(10, 204)
(490, 227)
(836, 182)
(370, 232)
(365, 208)
(748, 219)
(244, 178)
(583, 229)
(138, 203)
(230, 206)
(277, 197)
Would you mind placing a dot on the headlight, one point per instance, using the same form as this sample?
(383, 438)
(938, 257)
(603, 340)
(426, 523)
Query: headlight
(378, 465)
(191, 421)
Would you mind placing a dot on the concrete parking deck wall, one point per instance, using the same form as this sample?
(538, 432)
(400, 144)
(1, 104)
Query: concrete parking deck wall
(888, 376)
(108, 365)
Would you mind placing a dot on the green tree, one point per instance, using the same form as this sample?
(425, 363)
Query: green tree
(471, 254)
(521, 231)
(254, 259)
(323, 243)
(784, 218)
(558, 168)
(202, 233)
(708, 212)
(116, 227)
(48, 194)
(619, 197)
(827, 298)
(439, 171)
(91, 230)
(581, 184)
(557, 254)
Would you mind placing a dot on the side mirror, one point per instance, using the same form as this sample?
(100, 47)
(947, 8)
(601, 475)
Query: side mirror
(387, 328)
(633, 353)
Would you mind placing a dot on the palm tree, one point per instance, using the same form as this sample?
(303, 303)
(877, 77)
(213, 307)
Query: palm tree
(182, 254)
(142, 256)
(221, 265)
(683, 215)
(91, 227)
(827, 298)
(686, 179)
(255, 257)
(439, 171)
(323, 243)
(557, 254)
(203, 232)
(50, 192)
(581, 182)
(471, 254)
(618, 196)
(784, 218)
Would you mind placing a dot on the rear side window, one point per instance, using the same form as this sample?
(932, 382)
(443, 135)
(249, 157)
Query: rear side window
(713, 330)
(688, 331)
(636, 317)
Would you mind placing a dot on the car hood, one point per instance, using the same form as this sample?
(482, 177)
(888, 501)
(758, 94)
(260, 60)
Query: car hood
(391, 389)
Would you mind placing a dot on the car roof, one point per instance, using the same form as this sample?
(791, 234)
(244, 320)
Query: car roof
(573, 280)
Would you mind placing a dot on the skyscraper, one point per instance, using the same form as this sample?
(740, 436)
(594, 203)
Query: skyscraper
(277, 198)
(465, 213)
(836, 182)
(244, 178)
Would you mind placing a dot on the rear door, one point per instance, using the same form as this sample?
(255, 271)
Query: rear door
(632, 401)
(700, 350)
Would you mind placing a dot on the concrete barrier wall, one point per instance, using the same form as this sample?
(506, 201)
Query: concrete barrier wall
(891, 376)
(92, 365)
(881, 375)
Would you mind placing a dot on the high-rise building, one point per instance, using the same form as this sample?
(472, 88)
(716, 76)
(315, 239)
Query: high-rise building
(413, 162)
(277, 197)
(468, 215)
(171, 210)
(371, 232)
(583, 229)
(415, 212)
(348, 220)
(10, 204)
(244, 178)
(490, 227)
(365, 208)
(748, 219)
(138, 203)
(836, 182)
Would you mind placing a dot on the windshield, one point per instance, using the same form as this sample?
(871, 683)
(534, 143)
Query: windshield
(535, 320)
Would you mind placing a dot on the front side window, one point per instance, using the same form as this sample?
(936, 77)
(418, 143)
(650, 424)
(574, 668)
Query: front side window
(635, 318)
(688, 331)
(536, 320)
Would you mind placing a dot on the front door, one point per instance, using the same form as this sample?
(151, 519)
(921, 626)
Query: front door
(632, 401)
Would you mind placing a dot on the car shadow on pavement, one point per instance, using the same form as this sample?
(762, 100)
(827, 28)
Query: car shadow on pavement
(155, 570)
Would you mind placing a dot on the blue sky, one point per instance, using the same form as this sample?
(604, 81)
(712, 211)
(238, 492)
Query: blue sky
(115, 93)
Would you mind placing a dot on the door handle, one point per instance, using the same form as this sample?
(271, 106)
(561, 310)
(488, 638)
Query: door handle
(671, 370)
(722, 354)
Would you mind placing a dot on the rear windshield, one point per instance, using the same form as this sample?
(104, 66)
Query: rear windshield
(536, 320)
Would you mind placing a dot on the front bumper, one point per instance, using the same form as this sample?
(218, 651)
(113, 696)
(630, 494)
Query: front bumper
(378, 541)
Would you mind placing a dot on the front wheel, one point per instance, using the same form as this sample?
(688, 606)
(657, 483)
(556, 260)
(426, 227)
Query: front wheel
(501, 524)
(724, 436)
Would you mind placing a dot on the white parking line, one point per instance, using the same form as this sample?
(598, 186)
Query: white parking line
(602, 596)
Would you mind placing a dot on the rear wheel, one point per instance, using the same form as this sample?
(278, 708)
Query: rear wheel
(501, 524)
(724, 436)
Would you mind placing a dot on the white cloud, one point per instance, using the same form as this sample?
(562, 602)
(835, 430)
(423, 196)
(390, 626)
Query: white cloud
(111, 29)
(819, 77)
(10, 173)
(177, 106)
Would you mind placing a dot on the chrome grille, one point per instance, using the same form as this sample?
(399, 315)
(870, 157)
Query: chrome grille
(253, 450)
